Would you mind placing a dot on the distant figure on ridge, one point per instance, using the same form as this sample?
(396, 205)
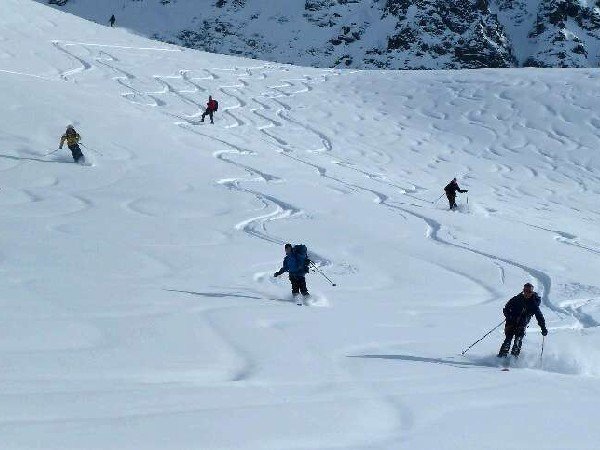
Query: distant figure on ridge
(451, 190)
(211, 107)
(112, 21)
(72, 138)
(518, 312)
(296, 263)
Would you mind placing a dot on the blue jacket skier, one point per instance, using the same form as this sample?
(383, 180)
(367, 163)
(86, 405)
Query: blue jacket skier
(518, 312)
(296, 265)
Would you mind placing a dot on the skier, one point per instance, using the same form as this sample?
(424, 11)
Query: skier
(72, 138)
(112, 20)
(296, 264)
(211, 108)
(518, 312)
(450, 190)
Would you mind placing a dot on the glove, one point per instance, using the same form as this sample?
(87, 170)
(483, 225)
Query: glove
(276, 274)
(544, 331)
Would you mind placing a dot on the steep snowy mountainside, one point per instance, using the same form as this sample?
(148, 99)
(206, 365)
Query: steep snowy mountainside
(139, 307)
(390, 34)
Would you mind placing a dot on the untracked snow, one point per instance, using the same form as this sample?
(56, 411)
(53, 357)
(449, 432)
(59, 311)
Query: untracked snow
(138, 307)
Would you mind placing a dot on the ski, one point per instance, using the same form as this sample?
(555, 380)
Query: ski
(505, 364)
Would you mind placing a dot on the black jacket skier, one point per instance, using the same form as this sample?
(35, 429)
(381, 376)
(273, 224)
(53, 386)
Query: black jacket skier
(112, 20)
(518, 312)
(451, 190)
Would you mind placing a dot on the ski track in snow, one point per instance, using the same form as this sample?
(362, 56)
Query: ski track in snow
(255, 226)
(289, 88)
(263, 103)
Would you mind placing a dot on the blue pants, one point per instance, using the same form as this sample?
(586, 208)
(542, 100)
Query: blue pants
(76, 152)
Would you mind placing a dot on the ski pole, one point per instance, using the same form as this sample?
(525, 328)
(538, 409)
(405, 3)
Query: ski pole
(542, 352)
(438, 199)
(95, 151)
(326, 277)
(481, 338)
(53, 151)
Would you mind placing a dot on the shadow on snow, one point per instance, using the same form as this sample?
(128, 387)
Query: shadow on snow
(49, 161)
(443, 361)
(231, 295)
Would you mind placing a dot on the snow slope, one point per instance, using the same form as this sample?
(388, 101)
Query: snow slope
(138, 307)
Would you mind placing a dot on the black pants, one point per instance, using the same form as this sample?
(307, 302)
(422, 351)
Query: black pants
(298, 285)
(451, 199)
(208, 112)
(76, 152)
(510, 332)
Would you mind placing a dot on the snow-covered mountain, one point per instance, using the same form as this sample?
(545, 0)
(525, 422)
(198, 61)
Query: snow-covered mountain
(138, 307)
(390, 34)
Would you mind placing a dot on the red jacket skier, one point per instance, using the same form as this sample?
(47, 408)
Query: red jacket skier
(211, 107)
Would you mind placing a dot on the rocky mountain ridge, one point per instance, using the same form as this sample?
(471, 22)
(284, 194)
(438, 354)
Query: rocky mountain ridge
(369, 34)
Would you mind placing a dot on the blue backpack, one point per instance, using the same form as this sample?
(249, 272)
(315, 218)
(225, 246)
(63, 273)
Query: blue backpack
(301, 253)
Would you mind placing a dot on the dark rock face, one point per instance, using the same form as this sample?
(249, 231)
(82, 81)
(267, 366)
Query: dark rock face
(390, 34)
(446, 35)
(566, 33)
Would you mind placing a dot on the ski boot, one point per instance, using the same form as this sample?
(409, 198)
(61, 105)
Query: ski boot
(503, 353)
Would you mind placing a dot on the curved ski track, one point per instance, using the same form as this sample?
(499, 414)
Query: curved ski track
(271, 115)
(288, 88)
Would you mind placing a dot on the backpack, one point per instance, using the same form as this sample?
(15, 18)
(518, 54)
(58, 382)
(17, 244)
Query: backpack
(216, 105)
(301, 253)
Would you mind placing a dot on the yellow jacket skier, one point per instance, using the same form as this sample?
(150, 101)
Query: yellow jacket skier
(72, 138)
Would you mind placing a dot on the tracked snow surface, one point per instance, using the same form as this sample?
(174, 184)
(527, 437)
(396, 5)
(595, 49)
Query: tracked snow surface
(138, 307)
